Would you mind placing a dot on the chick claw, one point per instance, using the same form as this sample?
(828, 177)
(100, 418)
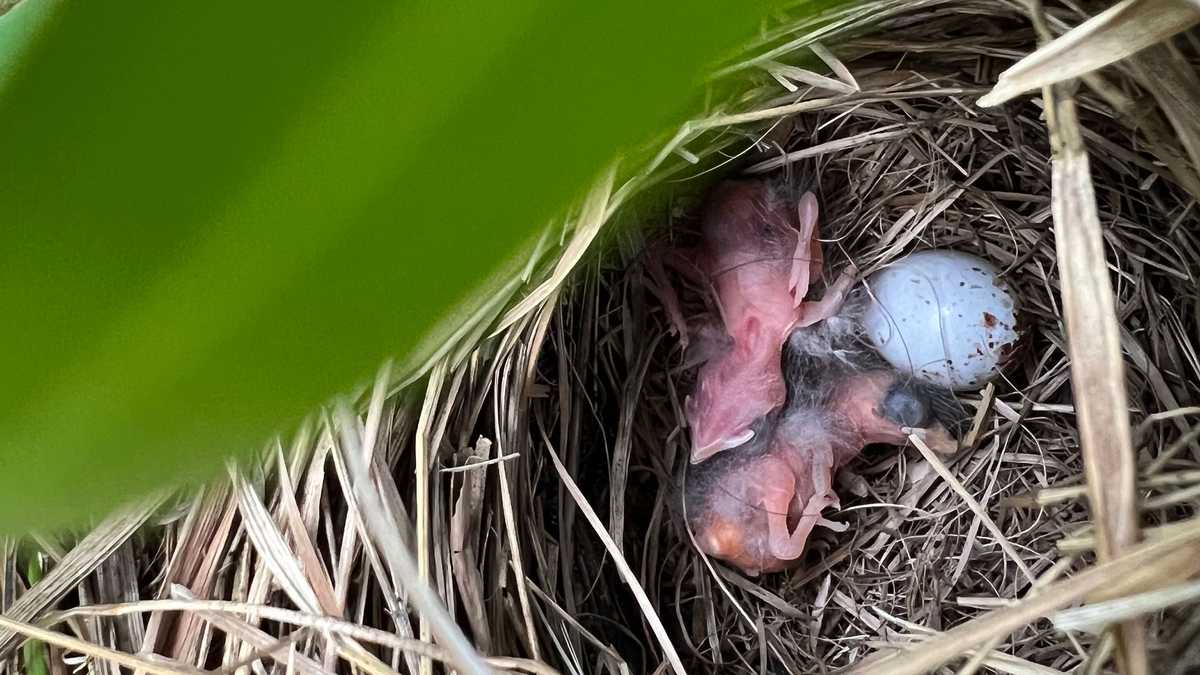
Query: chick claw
(831, 302)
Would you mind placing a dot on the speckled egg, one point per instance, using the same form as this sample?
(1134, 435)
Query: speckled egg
(945, 316)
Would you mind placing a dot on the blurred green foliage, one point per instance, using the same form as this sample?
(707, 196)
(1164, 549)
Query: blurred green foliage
(218, 214)
(34, 654)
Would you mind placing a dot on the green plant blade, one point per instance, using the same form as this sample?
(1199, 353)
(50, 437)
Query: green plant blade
(218, 214)
(34, 653)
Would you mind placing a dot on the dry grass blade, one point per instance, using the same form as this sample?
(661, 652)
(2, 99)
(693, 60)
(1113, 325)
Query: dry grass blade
(1096, 616)
(1147, 558)
(1121, 30)
(259, 642)
(421, 465)
(1158, 136)
(839, 145)
(304, 550)
(1176, 87)
(943, 471)
(317, 622)
(81, 561)
(195, 563)
(1094, 343)
(274, 550)
(631, 579)
(1086, 540)
(353, 536)
(784, 73)
(514, 546)
(24, 630)
(464, 534)
(375, 519)
(618, 475)
(835, 64)
(117, 581)
(985, 656)
(286, 567)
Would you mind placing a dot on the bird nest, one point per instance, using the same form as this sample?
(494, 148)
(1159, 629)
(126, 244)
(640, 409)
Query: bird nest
(535, 467)
(904, 160)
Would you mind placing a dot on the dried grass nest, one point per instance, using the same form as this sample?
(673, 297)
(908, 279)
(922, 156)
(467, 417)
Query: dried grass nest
(534, 465)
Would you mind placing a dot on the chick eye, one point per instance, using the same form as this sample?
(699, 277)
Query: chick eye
(906, 407)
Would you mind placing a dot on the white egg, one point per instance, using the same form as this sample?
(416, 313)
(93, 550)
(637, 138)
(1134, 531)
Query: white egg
(944, 316)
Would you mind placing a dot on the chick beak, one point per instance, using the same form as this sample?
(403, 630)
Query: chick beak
(699, 454)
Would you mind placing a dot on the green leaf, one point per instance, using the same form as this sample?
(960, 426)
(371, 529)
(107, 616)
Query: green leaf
(219, 214)
(34, 654)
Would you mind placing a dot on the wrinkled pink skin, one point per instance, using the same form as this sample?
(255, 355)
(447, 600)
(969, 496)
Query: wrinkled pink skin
(760, 252)
(764, 508)
(759, 507)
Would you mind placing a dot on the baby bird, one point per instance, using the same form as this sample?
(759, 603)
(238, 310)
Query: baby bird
(755, 506)
(789, 392)
(759, 253)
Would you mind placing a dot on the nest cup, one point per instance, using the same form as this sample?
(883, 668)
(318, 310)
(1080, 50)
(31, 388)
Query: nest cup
(533, 465)
(886, 129)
